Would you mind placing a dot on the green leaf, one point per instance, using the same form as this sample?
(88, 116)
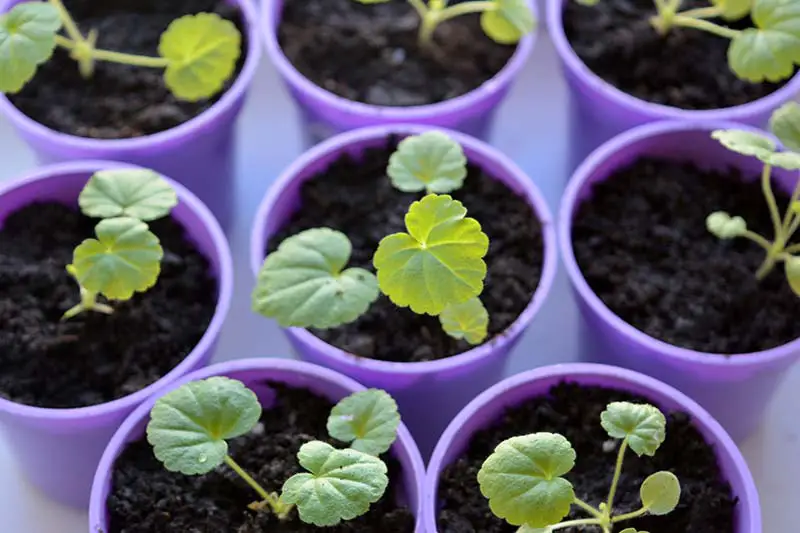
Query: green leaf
(138, 193)
(302, 282)
(771, 49)
(733, 9)
(529, 529)
(438, 263)
(27, 39)
(631, 530)
(202, 50)
(589, 3)
(792, 269)
(746, 143)
(785, 124)
(468, 321)
(431, 162)
(785, 160)
(367, 420)
(642, 425)
(189, 426)
(660, 493)
(341, 485)
(723, 226)
(509, 22)
(521, 479)
(124, 259)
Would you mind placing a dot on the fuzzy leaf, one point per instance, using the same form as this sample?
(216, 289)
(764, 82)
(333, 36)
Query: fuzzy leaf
(723, 226)
(733, 9)
(792, 269)
(139, 193)
(468, 321)
(431, 162)
(784, 160)
(660, 493)
(509, 22)
(785, 124)
(27, 39)
(746, 143)
(367, 420)
(642, 425)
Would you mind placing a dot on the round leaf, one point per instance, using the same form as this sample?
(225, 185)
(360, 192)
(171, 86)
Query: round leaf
(723, 226)
(631, 530)
(785, 160)
(438, 263)
(302, 283)
(508, 22)
(642, 425)
(522, 482)
(785, 124)
(27, 39)
(368, 420)
(529, 529)
(431, 162)
(660, 493)
(189, 426)
(468, 321)
(341, 485)
(746, 143)
(733, 9)
(124, 259)
(202, 51)
(141, 194)
(792, 269)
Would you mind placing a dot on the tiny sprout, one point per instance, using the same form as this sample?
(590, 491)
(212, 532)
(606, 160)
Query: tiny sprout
(523, 478)
(190, 426)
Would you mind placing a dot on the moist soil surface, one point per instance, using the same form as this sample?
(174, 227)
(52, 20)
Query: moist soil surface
(707, 504)
(369, 53)
(641, 243)
(118, 101)
(93, 358)
(687, 68)
(357, 198)
(148, 499)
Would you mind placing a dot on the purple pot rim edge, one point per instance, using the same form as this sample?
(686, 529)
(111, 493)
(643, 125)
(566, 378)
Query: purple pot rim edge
(531, 193)
(224, 281)
(569, 203)
(204, 120)
(119, 440)
(407, 114)
(720, 440)
(577, 67)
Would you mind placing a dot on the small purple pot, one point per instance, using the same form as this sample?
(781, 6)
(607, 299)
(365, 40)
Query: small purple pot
(253, 373)
(490, 405)
(58, 449)
(450, 382)
(324, 114)
(598, 110)
(198, 154)
(737, 389)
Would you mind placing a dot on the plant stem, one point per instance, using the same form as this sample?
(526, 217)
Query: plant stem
(588, 508)
(280, 509)
(420, 8)
(465, 8)
(758, 239)
(704, 25)
(69, 24)
(787, 217)
(88, 303)
(769, 196)
(426, 29)
(573, 523)
(792, 249)
(702, 12)
(629, 516)
(766, 267)
(115, 57)
(617, 471)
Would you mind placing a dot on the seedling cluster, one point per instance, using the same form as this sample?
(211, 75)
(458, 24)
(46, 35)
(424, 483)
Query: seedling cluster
(434, 268)
(522, 478)
(190, 426)
(198, 53)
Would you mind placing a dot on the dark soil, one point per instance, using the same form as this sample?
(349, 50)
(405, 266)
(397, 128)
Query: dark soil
(119, 101)
(357, 198)
(687, 69)
(92, 358)
(643, 247)
(707, 503)
(369, 53)
(147, 499)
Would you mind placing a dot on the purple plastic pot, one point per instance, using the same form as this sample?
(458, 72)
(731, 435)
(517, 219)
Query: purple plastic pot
(484, 410)
(737, 389)
(253, 373)
(198, 154)
(58, 449)
(598, 110)
(324, 114)
(449, 383)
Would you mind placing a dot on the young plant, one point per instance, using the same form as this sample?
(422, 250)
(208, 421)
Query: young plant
(198, 53)
(769, 51)
(190, 426)
(785, 124)
(523, 482)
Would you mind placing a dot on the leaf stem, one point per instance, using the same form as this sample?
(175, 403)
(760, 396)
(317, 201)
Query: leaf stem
(588, 508)
(88, 303)
(115, 57)
(788, 216)
(69, 24)
(629, 516)
(464, 8)
(792, 249)
(709, 12)
(573, 523)
(704, 25)
(617, 472)
(758, 239)
(420, 8)
(280, 509)
(769, 196)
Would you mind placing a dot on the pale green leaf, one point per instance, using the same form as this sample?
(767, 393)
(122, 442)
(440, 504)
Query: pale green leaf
(660, 493)
(733, 9)
(135, 193)
(367, 420)
(431, 162)
(589, 3)
(784, 160)
(189, 426)
(509, 22)
(529, 529)
(631, 530)
(644, 426)
(468, 321)
(792, 268)
(723, 226)
(746, 143)
(785, 124)
(27, 39)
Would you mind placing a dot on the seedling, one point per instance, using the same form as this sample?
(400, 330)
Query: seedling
(198, 53)
(523, 482)
(769, 51)
(785, 124)
(190, 426)
(504, 21)
(435, 268)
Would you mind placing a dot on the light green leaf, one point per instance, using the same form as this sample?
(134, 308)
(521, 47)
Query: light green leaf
(189, 426)
(522, 479)
(509, 22)
(660, 493)
(341, 486)
(589, 3)
(367, 420)
(137, 193)
(785, 124)
(27, 39)
(468, 321)
(529, 529)
(124, 259)
(723, 226)
(438, 263)
(785, 160)
(302, 283)
(202, 51)
(746, 143)
(733, 9)
(792, 268)
(644, 426)
(631, 530)
(431, 162)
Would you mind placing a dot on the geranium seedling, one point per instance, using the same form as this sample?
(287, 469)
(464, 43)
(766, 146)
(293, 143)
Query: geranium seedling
(190, 426)
(523, 478)
(198, 53)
